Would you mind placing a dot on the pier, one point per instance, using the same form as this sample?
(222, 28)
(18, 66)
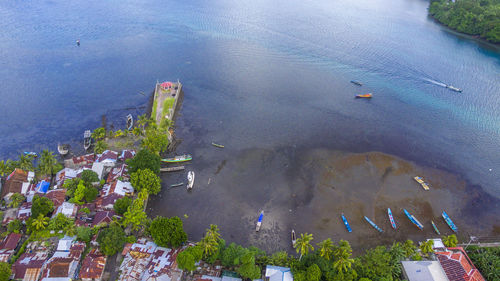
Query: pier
(165, 100)
(172, 169)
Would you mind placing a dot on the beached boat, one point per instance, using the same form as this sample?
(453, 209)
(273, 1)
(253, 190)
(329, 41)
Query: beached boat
(373, 224)
(414, 220)
(391, 218)
(217, 145)
(422, 182)
(177, 184)
(130, 122)
(87, 139)
(294, 238)
(346, 223)
(366, 96)
(63, 149)
(454, 88)
(177, 159)
(259, 221)
(449, 221)
(435, 228)
(356, 83)
(30, 153)
(190, 178)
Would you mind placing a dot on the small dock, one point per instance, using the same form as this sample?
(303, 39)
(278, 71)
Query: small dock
(172, 169)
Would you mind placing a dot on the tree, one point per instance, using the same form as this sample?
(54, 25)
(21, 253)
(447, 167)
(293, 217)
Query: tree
(146, 179)
(326, 248)
(450, 240)
(71, 185)
(409, 248)
(26, 162)
(41, 206)
(187, 258)
(100, 147)
(59, 222)
(111, 239)
(248, 269)
(144, 159)
(48, 164)
(342, 254)
(122, 204)
(168, 232)
(426, 247)
(210, 242)
(375, 264)
(303, 244)
(5, 167)
(90, 194)
(99, 134)
(79, 193)
(135, 215)
(156, 140)
(15, 226)
(313, 273)
(83, 233)
(40, 222)
(16, 200)
(89, 176)
(232, 254)
(5, 271)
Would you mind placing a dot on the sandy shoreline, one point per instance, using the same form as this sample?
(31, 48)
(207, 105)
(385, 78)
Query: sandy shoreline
(307, 190)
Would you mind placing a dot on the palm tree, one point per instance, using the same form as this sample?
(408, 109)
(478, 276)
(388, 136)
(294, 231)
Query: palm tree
(26, 162)
(343, 260)
(5, 168)
(426, 247)
(450, 240)
(303, 244)
(47, 163)
(213, 232)
(409, 248)
(16, 200)
(41, 222)
(210, 242)
(326, 248)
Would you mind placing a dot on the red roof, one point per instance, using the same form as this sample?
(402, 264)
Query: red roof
(10, 242)
(14, 182)
(57, 196)
(118, 171)
(26, 261)
(458, 266)
(103, 216)
(93, 265)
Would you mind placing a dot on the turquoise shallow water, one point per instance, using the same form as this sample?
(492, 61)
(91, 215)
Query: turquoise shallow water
(256, 74)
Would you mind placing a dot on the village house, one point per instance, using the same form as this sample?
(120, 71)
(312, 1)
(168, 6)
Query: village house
(118, 187)
(63, 265)
(57, 196)
(458, 266)
(103, 217)
(118, 172)
(108, 158)
(17, 182)
(65, 174)
(24, 212)
(107, 202)
(79, 162)
(93, 266)
(8, 245)
(126, 154)
(278, 273)
(68, 209)
(9, 215)
(29, 266)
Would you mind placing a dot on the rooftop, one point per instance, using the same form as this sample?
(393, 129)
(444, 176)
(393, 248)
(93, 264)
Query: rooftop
(458, 266)
(424, 271)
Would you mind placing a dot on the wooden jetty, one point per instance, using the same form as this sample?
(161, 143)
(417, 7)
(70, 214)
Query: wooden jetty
(172, 169)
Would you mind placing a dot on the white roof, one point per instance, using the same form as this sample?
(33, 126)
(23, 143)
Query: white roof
(438, 243)
(212, 278)
(424, 271)
(31, 175)
(227, 278)
(67, 209)
(122, 188)
(24, 188)
(278, 273)
(64, 245)
(99, 169)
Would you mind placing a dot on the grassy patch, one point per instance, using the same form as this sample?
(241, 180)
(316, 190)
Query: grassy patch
(153, 112)
(167, 104)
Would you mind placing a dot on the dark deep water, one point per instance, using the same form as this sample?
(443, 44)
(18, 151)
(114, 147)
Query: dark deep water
(259, 75)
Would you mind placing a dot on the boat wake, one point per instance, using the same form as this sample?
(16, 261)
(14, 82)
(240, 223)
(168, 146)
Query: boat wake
(436, 82)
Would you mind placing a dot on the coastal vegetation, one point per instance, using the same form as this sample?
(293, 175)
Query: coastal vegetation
(167, 232)
(479, 18)
(487, 260)
(5, 271)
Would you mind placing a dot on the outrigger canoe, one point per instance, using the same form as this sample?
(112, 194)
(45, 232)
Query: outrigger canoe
(346, 223)
(366, 96)
(177, 159)
(413, 220)
(259, 221)
(294, 238)
(435, 228)
(217, 145)
(373, 224)
(449, 222)
(422, 182)
(391, 218)
(356, 83)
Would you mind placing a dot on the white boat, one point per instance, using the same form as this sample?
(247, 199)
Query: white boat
(130, 122)
(190, 178)
(294, 238)
(63, 149)
(454, 88)
(87, 139)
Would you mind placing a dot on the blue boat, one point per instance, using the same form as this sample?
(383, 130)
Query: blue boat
(449, 222)
(391, 218)
(413, 220)
(259, 221)
(435, 228)
(373, 224)
(30, 153)
(346, 223)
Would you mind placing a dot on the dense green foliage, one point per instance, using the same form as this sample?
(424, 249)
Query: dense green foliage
(470, 16)
(487, 260)
(111, 239)
(16, 199)
(5, 271)
(60, 222)
(168, 232)
(48, 164)
(450, 240)
(15, 226)
(41, 206)
(89, 176)
(122, 204)
(83, 233)
(144, 159)
(146, 179)
(135, 217)
(187, 258)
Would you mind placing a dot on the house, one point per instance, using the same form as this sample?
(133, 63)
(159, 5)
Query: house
(57, 196)
(65, 174)
(423, 271)
(9, 215)
(8, 245)
(24, 212)
(68, 209)
(93, 266)
(118, 172)
(103, 217)
(118, 187)
(126, 154)
(63, 265)
(80, 161)
(107, 202)
(108, 158)
(278, 273)
(17, 182)
(458, 266)
(162, 265)
(136, 260)
(29, 266)
(100, 169)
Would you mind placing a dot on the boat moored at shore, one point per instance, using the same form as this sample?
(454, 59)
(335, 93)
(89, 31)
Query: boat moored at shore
(130, 122)
(63, 149)
(87, 139)
(259, 221)
(413, 220)
(391, 218)
(421, 181)
(449, 222)
(178, 159)
(435, 228)
(346, 223)
(373, 224)
(294, 238)
(190, 178)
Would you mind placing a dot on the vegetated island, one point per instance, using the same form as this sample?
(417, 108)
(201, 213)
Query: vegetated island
(477, 18)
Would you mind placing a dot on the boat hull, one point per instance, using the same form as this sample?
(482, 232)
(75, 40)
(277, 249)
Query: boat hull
(449, 222)
(413, 220)
(435, 228)
(190, 178)
(373, 224)
(346, 223)
(178, 159)
(391, 218)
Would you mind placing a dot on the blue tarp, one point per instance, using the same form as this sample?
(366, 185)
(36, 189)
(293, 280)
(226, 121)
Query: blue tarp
(43, 186)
